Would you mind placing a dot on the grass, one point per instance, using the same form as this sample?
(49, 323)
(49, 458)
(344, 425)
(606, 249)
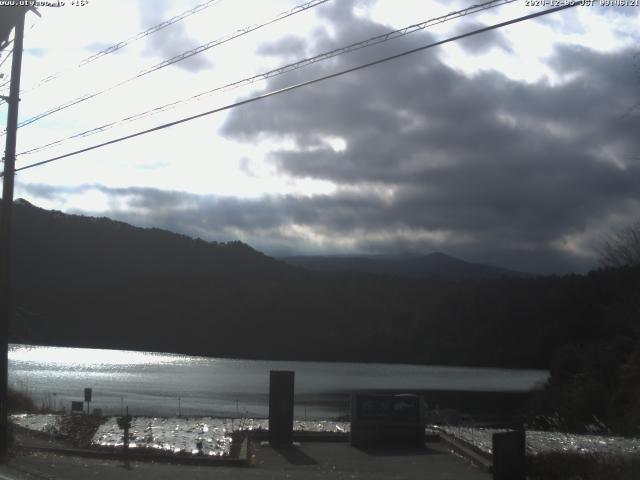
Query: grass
(79, 429)
(21, 402)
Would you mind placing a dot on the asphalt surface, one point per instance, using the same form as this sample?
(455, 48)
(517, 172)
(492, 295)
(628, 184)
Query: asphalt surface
(312, 460)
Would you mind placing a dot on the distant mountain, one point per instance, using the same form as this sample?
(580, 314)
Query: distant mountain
(434, 265)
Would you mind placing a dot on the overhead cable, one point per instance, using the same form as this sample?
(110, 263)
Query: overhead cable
(302, 84)
(117, 46)
(5, 58)
(149, 31)
(178, 58)
(5, 45)
(279, 71)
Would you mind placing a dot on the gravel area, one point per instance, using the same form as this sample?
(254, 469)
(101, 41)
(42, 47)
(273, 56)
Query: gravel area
(196, 435)
(539, 442)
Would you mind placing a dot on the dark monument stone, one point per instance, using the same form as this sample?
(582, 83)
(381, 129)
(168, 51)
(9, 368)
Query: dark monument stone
(281, 407)
(509, 455)
(77, 406)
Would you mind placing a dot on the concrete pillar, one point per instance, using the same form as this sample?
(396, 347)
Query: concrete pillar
(281, 407)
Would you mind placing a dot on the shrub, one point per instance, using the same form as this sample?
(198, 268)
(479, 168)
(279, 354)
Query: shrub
(20, 402)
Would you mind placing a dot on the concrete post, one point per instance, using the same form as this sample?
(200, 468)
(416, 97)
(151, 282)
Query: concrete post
(281, 407)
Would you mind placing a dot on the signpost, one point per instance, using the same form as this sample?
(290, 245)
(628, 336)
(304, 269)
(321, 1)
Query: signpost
(87, 398)
(125, 424)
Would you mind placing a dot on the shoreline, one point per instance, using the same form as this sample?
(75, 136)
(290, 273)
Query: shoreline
(194, 435)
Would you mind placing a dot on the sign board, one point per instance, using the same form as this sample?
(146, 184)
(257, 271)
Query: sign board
(373, 407)
(281, 407)
(386, 419)
(77, 406)
(388, 407)
(87, 394)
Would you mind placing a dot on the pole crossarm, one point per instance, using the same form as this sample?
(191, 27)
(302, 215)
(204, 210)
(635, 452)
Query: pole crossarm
(10, 15)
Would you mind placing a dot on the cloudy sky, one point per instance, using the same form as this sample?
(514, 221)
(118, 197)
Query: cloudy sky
(518, 147)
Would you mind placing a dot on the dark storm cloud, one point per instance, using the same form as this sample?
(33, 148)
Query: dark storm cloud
(53, 192)
(513, 166)
(172, 40)
(383, 227)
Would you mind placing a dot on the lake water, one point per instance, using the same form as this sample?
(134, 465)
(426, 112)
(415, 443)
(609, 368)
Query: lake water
(165, 384)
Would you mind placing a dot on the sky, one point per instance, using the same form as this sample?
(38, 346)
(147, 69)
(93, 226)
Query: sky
(517, 147)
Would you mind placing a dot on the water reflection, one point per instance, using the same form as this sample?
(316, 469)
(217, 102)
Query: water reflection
(163, 384)
(85, 357)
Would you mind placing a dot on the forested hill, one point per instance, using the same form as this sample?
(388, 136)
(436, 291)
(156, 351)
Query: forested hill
(84, 281)
(76, 249)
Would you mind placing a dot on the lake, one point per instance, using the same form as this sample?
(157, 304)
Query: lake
(164, 384)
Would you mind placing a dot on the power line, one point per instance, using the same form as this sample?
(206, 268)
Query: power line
(5, 45)
(237, 33)
(8, 81)
(280, 70)
(5, 58)
(149, 31)
(176, 59)
(120, 45)
(303, 84)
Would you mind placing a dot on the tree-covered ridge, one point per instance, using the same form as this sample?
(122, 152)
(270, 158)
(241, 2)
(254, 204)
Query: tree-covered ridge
(93, 282)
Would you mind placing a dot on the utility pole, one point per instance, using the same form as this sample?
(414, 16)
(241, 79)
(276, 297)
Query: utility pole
(5, 221)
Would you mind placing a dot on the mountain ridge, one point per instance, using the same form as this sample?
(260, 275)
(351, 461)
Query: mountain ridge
(432, 265)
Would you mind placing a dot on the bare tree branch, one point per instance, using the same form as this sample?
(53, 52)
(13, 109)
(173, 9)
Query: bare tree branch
(622, 248)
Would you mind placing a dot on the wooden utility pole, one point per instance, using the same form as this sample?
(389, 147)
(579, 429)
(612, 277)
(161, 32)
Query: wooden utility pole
(5, 223)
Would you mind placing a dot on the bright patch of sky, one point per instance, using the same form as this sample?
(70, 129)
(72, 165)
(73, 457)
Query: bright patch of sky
(194, 157)
(531, 43)
(190, 157)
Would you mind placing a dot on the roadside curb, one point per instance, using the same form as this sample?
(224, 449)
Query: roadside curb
(242, 461)
(481, 459)
(298, 436)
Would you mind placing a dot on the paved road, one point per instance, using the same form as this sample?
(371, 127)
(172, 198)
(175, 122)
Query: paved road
(330, 461)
